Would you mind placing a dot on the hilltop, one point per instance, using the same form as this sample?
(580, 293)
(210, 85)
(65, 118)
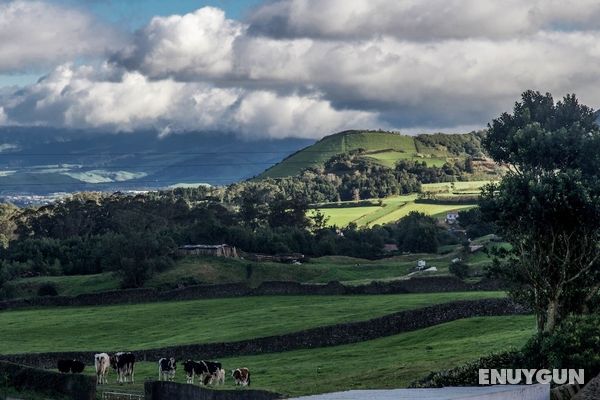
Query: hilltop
(382, 147)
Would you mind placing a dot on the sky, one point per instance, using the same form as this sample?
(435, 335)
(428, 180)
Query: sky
(289, 68)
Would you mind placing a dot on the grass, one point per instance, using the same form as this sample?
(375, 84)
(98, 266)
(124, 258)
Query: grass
(329, 146)
(199, 321)
(389, 362)
(393, 208)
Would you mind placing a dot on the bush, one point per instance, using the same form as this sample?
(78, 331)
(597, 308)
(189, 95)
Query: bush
(460, 269)
(47, 289)
(574, 344)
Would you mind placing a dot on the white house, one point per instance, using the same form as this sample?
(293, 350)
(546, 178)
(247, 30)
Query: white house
(452, 217)
(421, 265)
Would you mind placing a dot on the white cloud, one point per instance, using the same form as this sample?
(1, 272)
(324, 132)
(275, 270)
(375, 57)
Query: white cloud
(35, 35)
(126, 101)
(308, 68)
(190, 45)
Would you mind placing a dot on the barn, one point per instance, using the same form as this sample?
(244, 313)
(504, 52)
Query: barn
(215, 250)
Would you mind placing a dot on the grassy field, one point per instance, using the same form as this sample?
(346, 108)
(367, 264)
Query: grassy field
(200, 321)
(389, 362)
(383, 147)
(392, 209)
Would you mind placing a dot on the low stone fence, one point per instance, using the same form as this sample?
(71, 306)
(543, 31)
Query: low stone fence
(71, 386)
(331, 335)
(591, 391)
(156, 390)
(148, 295)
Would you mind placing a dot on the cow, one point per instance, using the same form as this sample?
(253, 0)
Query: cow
(195, 368)
(241, 376)
(167, 369)
(64, 366)
(77, 367)
(123, 363)
(102, 364)
(214, 372)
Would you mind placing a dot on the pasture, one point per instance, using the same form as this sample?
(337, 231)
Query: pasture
(393, 208)
(152, 325)
(388, 362)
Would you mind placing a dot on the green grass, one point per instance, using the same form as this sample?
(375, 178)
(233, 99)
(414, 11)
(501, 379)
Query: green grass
(199, 321)
(392, 209)
(65, 285)
(338, 143)
(389, 362)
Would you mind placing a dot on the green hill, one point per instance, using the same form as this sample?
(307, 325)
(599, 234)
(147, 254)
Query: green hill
(385, 148)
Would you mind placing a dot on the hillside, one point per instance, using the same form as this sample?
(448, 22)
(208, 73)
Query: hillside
(384, 148)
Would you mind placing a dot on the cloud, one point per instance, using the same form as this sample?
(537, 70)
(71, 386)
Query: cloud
(188, 46)
(308, 68)
(119, 100)
(35, 36)
(420, 20)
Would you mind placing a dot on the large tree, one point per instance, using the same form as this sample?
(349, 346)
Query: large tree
(548, 204)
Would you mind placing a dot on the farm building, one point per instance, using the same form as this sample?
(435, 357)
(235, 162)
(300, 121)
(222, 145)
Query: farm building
(421, 265)
(390, 247)
(452, 217)
(215, 250)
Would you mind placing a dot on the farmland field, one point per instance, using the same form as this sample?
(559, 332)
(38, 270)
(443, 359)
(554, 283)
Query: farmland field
(389, 362)
(392, 209)
(200, 321)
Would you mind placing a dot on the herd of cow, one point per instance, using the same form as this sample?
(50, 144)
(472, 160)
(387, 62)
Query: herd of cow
(207, 372)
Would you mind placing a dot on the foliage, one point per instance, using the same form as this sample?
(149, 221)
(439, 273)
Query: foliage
(548, 206)
(418, 233)
(47, 289)
(460, 269)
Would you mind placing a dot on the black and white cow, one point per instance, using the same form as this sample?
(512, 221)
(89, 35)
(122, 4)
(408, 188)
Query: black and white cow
(123, 363)
(193, 369)
(241, 376)
(74, 366)
(216, 373)
(166, 369)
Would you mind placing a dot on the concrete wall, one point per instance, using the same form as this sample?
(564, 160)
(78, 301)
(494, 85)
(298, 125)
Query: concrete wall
(148, 295)
(156, 390)
(331, 335)
(71, 386)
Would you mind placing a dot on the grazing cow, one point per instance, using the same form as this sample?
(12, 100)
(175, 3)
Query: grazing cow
(77, 367)
(241, 376)
(167, 369)
(194, 368)
(64, 366)
(102, 363)
(215, 373)
(123, 363)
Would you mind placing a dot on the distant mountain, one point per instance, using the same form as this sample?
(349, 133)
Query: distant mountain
(36, 160)
(382, 147)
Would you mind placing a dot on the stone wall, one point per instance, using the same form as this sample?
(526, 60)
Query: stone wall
(71, 386)
(331, 335)
(148, 295)
(591, 391)
(155, 390)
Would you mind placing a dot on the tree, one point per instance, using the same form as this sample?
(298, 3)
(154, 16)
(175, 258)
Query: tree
(548, 204)
(418, 233)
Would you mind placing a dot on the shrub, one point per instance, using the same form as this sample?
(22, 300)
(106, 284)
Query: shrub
(460, 269)
(47, 289)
